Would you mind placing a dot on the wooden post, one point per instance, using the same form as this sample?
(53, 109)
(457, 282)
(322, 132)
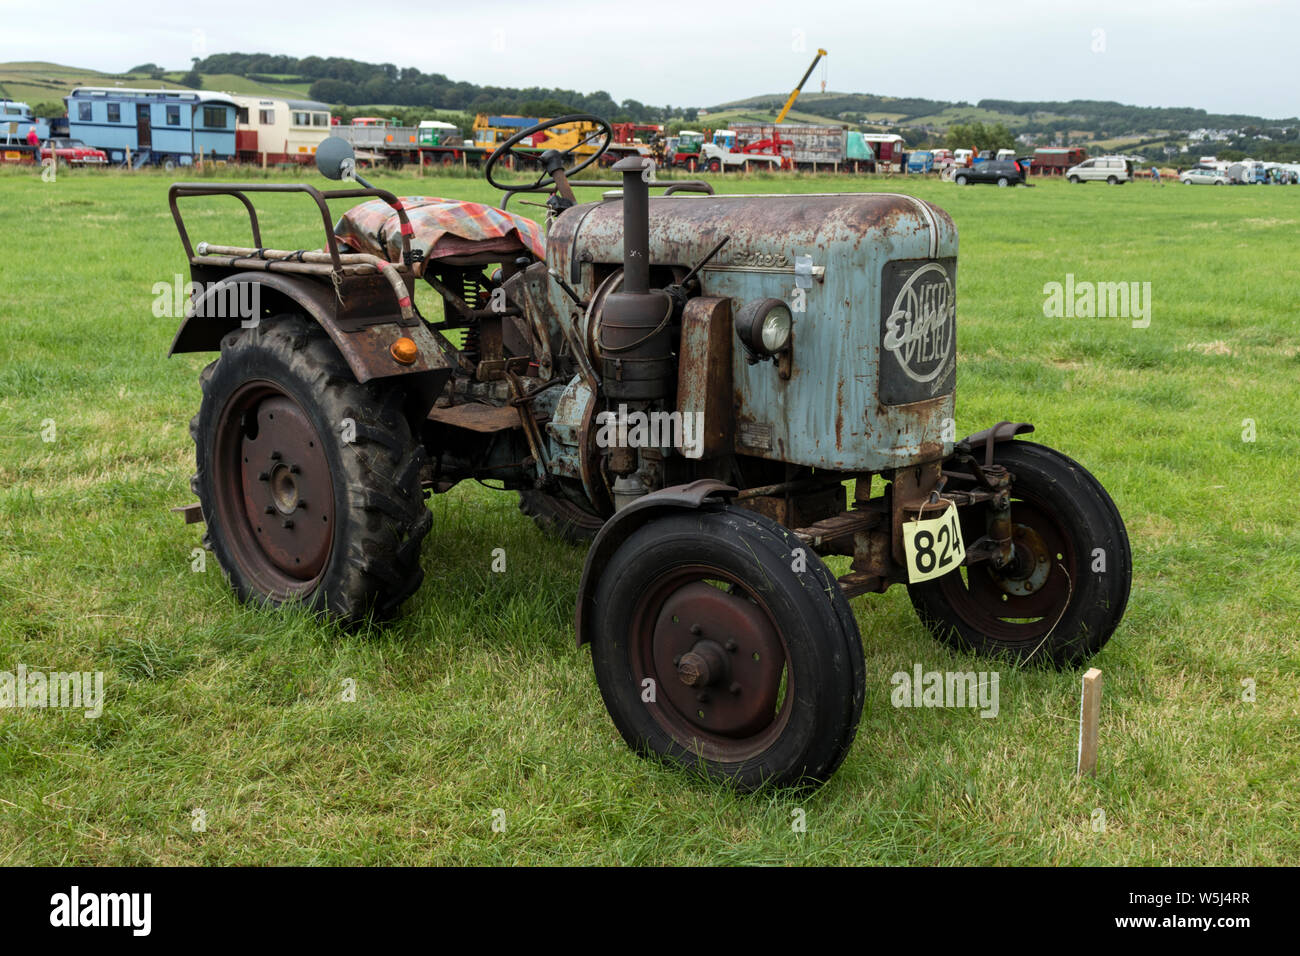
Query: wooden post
(263, 160)
(128, 157)
(420, 153)
(200, 159)
(1089, 715)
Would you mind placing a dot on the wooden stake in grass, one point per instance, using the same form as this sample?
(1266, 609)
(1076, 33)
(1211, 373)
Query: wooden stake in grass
(1089, 714)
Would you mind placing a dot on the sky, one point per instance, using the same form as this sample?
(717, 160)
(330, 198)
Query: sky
(1225, 56)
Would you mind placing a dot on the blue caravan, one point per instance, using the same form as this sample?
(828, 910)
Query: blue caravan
(161, 127)
(16, 119)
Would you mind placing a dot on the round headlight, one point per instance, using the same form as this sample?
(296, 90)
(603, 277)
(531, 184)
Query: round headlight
(776, 329)
(764, 326)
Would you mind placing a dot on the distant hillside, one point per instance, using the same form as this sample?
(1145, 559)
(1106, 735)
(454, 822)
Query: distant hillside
(1090, 122)
(1116, 118)
(46, 84)
(353, 86)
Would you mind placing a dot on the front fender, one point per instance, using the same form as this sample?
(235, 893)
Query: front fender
(702, 493)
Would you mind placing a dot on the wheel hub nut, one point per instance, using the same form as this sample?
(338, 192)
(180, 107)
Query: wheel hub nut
(703, 665)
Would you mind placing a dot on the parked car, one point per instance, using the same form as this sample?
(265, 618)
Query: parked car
(1004, 172)
(1110, 169)
(1203, 176)
(73, 152)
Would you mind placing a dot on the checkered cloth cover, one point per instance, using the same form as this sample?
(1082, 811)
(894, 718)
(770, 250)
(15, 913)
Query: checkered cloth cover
(373, 227)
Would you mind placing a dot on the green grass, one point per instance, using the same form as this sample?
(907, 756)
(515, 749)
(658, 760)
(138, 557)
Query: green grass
(477, 700)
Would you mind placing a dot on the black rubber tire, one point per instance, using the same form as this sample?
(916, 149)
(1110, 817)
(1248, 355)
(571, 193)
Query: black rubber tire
(1112, 181)
(823, 646)
(715, 166)
(1075, 180)
(380, 516)
(1096, 599)
(1004, 182)
(559, 517)
(961, 180)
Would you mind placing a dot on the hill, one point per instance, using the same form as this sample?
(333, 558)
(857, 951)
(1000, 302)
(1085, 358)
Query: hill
(42, 84)
(1097, 123)
(354, 87)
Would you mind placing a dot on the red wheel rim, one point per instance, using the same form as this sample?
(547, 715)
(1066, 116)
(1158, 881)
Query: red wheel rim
(274, 492)
(723, 687)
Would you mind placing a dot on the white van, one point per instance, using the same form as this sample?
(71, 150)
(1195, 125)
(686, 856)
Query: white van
(1110, 169)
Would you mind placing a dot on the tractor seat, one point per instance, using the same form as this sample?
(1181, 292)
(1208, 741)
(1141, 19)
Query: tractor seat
(440, 229)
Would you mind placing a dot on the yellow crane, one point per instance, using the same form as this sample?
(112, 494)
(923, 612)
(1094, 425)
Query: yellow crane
(795, 95)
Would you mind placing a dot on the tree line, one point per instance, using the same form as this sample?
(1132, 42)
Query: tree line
(352, 83)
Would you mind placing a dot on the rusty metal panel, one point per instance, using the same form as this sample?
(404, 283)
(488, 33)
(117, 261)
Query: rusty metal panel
(704, 377)
(833, 249)
(476, 416)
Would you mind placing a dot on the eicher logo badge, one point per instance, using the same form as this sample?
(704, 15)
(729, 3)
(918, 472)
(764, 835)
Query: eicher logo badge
(918, 331)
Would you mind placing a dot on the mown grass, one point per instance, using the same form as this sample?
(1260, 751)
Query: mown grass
(476, 700)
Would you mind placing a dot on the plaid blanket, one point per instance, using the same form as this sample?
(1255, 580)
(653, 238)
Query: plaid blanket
(439, 227)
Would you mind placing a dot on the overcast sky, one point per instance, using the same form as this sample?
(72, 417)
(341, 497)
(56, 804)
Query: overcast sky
(1219, 55)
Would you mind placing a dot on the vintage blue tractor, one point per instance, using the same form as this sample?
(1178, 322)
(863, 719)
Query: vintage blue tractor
(714, 391)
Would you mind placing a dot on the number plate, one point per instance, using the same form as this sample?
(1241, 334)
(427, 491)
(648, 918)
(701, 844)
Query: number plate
(933, 547)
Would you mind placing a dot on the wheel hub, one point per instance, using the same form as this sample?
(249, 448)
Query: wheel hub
(1030, 566)
(703, 665)
(284, 489)
(722, 659)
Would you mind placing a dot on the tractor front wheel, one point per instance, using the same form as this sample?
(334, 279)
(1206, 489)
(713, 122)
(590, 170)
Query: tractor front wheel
(723, 644)
(1064, 591)
(309, 482)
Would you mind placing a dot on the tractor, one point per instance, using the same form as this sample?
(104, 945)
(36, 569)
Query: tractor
(712, 393)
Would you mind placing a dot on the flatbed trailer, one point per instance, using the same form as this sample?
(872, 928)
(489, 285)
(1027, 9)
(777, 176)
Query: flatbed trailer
(402, 145)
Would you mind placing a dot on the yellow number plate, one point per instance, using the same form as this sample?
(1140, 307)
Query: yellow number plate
(933, 547)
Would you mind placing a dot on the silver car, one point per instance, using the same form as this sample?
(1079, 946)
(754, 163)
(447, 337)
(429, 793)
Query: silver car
(1110, 169)
(1204, 176)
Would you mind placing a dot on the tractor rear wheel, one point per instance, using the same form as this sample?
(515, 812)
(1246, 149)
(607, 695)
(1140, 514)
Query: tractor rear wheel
(722, 644)
(559, 517)
(309, 482)
(1063, 595)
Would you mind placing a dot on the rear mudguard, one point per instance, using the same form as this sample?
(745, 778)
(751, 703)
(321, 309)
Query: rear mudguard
(702, 493)
(363, 340)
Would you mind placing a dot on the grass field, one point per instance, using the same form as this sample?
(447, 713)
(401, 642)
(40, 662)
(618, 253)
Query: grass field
(477, 701)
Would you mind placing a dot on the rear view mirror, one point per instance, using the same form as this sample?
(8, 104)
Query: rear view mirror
(335, 159)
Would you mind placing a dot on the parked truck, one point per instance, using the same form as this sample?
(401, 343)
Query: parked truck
(1055, 160)
(808, 147)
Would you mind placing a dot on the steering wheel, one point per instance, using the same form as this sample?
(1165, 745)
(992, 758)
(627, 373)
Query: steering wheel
(552, 161)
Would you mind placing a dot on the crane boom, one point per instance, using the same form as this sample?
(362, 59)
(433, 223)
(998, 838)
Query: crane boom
(795, 95)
